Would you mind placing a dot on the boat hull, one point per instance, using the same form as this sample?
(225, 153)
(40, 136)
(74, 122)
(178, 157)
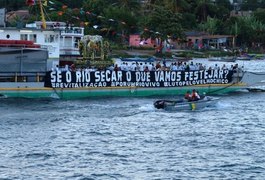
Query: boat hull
(37, 90)
(184, 105)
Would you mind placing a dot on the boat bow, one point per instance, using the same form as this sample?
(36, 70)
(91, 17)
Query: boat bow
(253, 78)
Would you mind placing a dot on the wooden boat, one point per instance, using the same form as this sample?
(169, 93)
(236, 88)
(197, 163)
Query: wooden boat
(183, 104)
(245, 57)
(107, 83)
(223, 59)
(21, 76)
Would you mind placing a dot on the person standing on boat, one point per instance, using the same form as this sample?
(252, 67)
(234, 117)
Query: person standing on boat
(195, 96)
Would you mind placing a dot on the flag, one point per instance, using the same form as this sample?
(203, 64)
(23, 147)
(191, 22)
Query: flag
(45, 3)
(64, 7)
(60, 13)
(30, 2)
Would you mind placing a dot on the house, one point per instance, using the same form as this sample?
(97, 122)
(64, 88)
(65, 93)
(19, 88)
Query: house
(204, 40)
(135, 40)
(21, 15)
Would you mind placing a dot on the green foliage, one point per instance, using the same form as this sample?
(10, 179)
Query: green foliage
(210, 26)
(116, 19)
(12, 5)
(259, 14)
(204, 9)
(252, 5)
(164, 23)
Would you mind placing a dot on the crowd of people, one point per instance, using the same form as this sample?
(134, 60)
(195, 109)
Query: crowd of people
(152, 66)
(174, 66)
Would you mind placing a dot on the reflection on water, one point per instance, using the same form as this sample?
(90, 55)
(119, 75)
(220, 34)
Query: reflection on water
(127, 138)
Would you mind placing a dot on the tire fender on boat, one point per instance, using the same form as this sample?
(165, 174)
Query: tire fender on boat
(133, 89)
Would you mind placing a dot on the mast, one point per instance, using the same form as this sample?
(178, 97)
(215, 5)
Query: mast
(42, 15)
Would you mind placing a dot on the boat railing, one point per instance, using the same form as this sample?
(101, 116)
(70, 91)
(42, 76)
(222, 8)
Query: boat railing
(75, 31)
(19, 46)
(69, 51)
(22, 77)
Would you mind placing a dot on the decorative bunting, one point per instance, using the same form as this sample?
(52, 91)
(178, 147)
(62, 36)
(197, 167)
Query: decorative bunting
(64, 7)
(30, 2)
(81, 12)
(60, 13)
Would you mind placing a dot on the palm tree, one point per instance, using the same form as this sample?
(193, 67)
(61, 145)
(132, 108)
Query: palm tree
(131, 5)
(176, 5)
(204, 9)
(210, 26)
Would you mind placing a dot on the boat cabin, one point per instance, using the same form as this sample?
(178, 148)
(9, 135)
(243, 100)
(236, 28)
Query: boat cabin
(61, 40)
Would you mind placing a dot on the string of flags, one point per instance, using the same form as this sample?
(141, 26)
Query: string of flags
(81, 12)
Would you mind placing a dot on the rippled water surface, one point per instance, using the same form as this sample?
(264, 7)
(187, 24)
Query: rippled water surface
(127, 138)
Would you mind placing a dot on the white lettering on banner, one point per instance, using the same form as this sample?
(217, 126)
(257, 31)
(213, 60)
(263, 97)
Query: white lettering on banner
(87, 74)
(186, 77)
(196, 75)
(78, 76)
(97, 76)
(102, 74)
(191, 76)
(226, 73)
(201, 74)
(59, 76)
(173, 76)
(157, 76)
(109, 78)
(142, 76)
(210, 74)
(68, 76)
(205, 74)
(128, 76)
(113, 76)
(215, 74)
(119, 75)
(167, 76)
(53, 76)
(221, 74)
(178, 76)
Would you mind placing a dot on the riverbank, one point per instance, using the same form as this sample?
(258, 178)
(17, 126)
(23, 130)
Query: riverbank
(169, 54)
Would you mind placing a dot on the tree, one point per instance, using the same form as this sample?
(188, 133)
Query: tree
(210, 26)
(252, 5)
(248, 30)
(204, 9)
(131, 5)
(223, 8)
(120, 21)
(177, 6)
(164, 23)
(259, 14)
(13, 5)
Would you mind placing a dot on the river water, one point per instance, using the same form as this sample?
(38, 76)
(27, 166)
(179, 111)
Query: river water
(127, 138)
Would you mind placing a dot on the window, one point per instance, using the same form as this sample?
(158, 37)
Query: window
(51, 38)
(23, 37)
(33, 37)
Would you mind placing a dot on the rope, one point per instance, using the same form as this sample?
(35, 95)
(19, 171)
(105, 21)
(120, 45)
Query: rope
(257, 73)
(210, 92)
(57, 93)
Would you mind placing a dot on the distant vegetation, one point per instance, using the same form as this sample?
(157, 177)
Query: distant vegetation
(116, 19)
